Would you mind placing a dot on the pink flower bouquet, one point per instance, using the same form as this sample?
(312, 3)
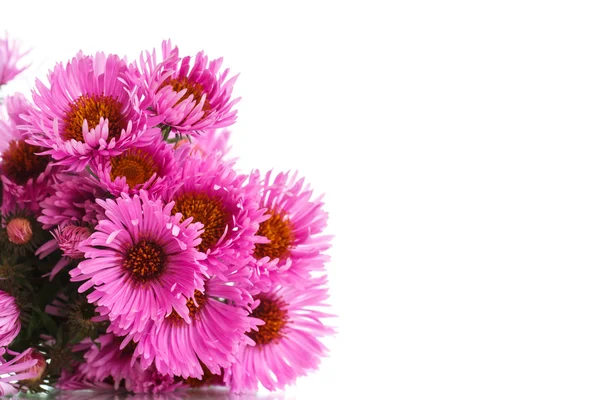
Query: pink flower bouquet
(133, 254)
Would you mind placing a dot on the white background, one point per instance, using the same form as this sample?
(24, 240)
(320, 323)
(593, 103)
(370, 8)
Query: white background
(458, 144)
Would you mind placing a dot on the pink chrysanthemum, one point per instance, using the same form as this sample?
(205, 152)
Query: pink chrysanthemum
(21, 367)
(287, 345)
(90, 109)
(141, 262)
(137, 168)
(10, 56)
(188, 95)
(73, 202)
(26, 176)
(212, 143)
(217, 327)
(16, 105)
(294, 243)
(105, 361)
(209, 191)
(10, 323)
(72, 206)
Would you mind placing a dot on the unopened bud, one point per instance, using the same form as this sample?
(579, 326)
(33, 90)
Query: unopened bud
(19, 230)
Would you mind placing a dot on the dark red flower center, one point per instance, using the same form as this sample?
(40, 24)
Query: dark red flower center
(206, 209)
(20, 163)
(145, 261)
(92, 108)
(135, 165)
(280, 231)
(273, 313)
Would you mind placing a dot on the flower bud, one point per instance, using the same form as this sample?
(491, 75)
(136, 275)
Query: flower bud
(19, 230)
(69, 238)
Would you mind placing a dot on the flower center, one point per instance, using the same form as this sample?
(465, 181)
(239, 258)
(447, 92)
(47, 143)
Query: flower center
(92, 108)
(205, 209)
(279, 230)
(135, 165)
(20, 163)
(193, 89)
(145, 261)
(273, 313)
(19, 231)
(193, 309)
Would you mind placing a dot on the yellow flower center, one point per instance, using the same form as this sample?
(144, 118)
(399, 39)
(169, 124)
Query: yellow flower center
(280, 231)
(205, 209)
(192, 89)
(92, 108)
(136, 165)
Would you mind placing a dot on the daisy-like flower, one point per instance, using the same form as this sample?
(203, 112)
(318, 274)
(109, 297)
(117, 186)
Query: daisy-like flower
(89, 109)
(21, 367)
(26, 176)
(10, 323)
(287, 345)
(16, 105)
(217, 327)
(72, 202)
(72, 210)
(141, 262)
(137, 168)
(209, 191)
(294, 244)
(190, 95)
(105, 361)
(10, 57)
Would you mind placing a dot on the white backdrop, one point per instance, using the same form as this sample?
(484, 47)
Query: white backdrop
(458, 146)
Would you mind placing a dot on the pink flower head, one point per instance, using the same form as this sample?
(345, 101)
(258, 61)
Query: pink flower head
(106, 361)
(20, 368)
(17, 105)
(287, 345)
(190, 95)
(10, 55)
(213, 143)
(26, 176)
(69, 238)
(141, 262)
(90, 109)
(209, 191)
(72, 202)
(10, 323)
(217, 327)
(137, 168)
(292, 235)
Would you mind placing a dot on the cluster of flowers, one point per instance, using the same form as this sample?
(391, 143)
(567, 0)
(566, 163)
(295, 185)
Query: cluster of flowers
(133, 255)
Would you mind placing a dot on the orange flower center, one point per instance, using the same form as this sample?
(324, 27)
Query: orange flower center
(145, 260)
(273, 313)
(205, 209)
(192, 89)
(20, 163)
(135, 165)
(280, 231)
(201, 300)
(92, 108)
